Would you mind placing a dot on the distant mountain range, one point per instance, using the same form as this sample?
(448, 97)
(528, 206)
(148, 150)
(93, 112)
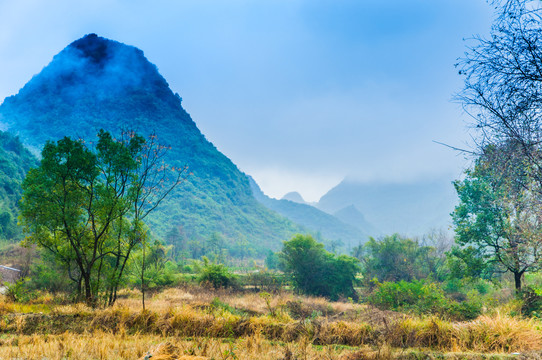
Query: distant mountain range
(406, 208)
(343, 234)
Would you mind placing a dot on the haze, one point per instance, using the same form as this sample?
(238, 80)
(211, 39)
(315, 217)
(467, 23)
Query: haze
(299, 94)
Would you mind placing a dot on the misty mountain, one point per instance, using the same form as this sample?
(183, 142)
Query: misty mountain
(408, 208)
(98, 83)
(295, 197)
(316, 221)
(352, 216)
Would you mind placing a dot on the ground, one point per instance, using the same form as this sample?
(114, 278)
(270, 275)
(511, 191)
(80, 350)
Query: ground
(219, 324)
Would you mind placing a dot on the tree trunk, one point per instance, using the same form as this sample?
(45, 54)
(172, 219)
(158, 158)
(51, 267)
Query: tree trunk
(88, 290)
(517, 280)
(143, 279)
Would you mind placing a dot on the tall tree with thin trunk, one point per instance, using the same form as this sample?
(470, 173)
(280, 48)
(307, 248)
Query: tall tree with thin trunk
(86, 205)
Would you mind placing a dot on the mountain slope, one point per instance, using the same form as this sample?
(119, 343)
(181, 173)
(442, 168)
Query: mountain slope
(15, 161)
(99, 83)
(314, 220)
(409, 208)
(352, 216)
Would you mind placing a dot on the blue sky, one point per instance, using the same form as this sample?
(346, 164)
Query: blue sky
(298, 93)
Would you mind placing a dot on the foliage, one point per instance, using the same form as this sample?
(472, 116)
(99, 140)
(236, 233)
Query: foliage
(272, 260)
(216, 275)
(15, 161)
(87, 205)
(315, 271)
(497, 220)
(47, 274)
(158, 271)
(18, 292)
(422, 297)
(395, 258)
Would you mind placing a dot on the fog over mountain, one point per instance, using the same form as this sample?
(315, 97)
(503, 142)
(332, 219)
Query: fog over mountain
(412, 208)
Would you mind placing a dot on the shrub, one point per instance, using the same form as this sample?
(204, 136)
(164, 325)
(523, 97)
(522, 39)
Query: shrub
(403, 295)
(422, 297)
(531, 302)
(216, 275)
(18, 292)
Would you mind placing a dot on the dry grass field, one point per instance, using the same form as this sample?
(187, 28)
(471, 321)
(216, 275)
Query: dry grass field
(193, 321)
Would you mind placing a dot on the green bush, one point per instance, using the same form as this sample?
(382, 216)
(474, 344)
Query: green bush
(18, 292)
(47, 275)
(531, 302)
(464, 310)
(421, 297)
(216, 275)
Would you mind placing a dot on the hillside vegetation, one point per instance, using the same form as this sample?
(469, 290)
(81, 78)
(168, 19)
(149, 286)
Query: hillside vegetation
(15, 161)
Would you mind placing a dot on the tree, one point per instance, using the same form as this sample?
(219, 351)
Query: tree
(503, 81)
(86, 205)
(315, 271)
(395, 258)
(152, 270)
(498, 218)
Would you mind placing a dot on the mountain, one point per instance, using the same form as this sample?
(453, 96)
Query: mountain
(295, 197)
(352, 216)
(98, 83)
(15, 161)
(315, 221)
(408, 208)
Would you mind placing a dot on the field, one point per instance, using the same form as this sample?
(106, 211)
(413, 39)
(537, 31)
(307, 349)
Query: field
(219, 324)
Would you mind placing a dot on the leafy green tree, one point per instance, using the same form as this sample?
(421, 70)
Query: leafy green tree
(86, 205)
(468, 262)
(315, 271)
(272, 261)
(395, 258)
(178, 240)
(498, 216)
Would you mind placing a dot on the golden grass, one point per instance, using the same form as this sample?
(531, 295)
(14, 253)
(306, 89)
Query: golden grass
(187, 313)
(498, 333)
(102, 345)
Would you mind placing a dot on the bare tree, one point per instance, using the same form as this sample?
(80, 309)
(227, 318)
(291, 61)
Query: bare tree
(503, 79)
